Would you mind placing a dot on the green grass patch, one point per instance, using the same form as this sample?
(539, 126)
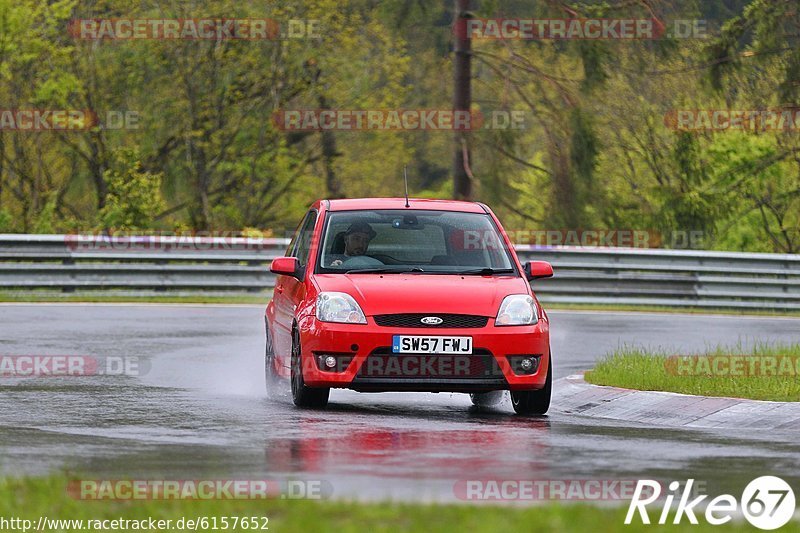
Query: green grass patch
(687, 310)
(30, 498)
(683, 310)
(765, 372)
(264, 297)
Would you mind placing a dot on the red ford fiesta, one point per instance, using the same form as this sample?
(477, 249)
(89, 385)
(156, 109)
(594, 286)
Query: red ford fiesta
(385, 294)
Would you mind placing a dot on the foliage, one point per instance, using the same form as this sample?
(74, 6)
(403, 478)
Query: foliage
(595, 150)
(133, 194)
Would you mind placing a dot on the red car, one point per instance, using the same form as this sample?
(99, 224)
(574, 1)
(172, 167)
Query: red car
(389, 294)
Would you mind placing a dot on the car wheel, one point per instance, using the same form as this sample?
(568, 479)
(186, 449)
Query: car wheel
(301, 395)
(271, 378)
(486, 399)
(534, 402)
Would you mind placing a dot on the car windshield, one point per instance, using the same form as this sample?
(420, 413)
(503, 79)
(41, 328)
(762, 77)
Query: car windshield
(396, 241)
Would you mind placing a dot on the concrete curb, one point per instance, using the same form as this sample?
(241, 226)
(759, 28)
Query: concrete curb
(573, 395)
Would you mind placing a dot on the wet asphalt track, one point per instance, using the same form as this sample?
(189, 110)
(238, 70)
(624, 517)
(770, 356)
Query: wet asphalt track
(200, 411)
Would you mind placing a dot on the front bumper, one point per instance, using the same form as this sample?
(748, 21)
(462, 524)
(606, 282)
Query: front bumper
(369, 365)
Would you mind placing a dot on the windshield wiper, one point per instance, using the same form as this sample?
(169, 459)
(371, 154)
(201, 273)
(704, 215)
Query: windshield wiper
(383, 270)
(486, 271)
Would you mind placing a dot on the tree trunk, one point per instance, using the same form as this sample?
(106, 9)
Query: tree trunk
(462, 99)
(329, 153)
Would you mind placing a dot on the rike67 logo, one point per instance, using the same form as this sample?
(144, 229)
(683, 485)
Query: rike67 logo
(767, 503)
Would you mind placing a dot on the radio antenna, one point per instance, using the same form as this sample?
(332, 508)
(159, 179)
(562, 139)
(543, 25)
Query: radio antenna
(405, 179)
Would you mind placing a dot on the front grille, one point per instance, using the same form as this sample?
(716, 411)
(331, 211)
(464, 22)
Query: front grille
(383, 363)
(449, 320)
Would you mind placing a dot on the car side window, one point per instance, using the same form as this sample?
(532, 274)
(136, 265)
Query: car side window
(303, 238)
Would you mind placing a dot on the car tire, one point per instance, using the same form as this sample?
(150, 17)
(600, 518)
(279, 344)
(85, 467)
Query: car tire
(534, 402)
(486, 399)
(302, 395)
(271, 378)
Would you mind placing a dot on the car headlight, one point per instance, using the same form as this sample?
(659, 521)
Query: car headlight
(339, 307)
(517, 310)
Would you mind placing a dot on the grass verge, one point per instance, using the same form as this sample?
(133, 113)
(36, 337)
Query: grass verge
(264, 297)
(666, 309)
(765, 372)
(31, 498)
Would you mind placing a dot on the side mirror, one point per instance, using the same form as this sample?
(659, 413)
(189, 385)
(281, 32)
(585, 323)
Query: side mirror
(538, 269)
(286, 266)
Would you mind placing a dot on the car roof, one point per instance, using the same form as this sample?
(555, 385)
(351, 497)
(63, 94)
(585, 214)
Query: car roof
(351, 204)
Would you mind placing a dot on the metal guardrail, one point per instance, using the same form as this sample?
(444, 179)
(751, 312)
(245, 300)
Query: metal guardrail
(234, 265)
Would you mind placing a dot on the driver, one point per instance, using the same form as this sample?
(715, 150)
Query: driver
(356, 241)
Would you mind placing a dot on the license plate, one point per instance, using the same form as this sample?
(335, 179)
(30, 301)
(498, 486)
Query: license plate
(419, 344)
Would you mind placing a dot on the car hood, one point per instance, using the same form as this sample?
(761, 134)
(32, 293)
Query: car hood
(424, 293)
